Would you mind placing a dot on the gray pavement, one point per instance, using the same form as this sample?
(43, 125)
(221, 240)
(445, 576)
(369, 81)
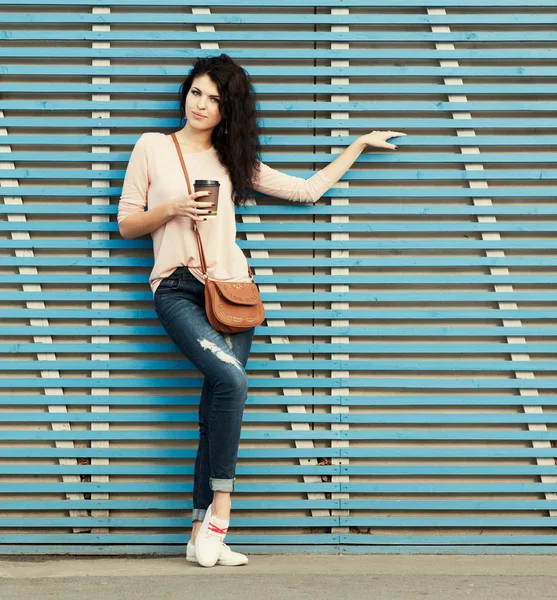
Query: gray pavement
(374, 577)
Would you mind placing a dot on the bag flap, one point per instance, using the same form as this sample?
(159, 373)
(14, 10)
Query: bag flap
(239, 293)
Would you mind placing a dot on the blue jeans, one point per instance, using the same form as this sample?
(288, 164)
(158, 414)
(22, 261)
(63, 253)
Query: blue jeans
(180, 305)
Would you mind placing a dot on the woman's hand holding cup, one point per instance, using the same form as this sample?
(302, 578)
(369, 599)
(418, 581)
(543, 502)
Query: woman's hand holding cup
(192, 206)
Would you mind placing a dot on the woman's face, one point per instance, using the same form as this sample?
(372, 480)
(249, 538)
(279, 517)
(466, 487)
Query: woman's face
(203, 99)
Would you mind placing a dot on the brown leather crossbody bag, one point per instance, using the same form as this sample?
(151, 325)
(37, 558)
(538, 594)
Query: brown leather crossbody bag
(231, 307)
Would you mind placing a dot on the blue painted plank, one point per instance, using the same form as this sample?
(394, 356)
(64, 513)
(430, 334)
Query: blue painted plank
(282, 453)
(360, 175)
(291, 348)
(174, 488)
(282, 17)
(158, 123)
(280, 504)
(278, 417)
(294, 71)
(453, 261)
(280, 3)
(156, 538)
(275, 488)
(252, 434)
(70, 244)
(268, 157)
(354, 280)
(184, 504)
(435, 192)
(254, 522)
(448, 540)
(308, 140)
(406, 331)
(299, 89)
(377, 209)
(498, 505)
(316, 548)
(153, 453)
(174, 522)
(440, 296)
(456, 365)
(284, 54)
(255, 400)
(154, 549)
(444, 522)
(286, 35)
(269, 470)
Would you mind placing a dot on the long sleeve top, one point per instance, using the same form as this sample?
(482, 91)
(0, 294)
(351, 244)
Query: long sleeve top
(154, 176)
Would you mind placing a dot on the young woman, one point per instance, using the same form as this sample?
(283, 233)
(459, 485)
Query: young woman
(220, 141)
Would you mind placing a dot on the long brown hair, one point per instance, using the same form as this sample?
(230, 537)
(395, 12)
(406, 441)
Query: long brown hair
(239, 148)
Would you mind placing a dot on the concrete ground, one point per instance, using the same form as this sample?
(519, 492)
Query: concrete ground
(373, 577)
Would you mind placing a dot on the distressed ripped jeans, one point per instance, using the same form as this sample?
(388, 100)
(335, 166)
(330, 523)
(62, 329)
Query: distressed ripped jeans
(179, 302)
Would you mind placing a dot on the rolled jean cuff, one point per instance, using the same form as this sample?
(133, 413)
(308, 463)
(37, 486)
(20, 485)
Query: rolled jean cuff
(198, 514)
(221, 485)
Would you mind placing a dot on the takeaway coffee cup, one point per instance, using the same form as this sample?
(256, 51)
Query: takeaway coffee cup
(209, 185)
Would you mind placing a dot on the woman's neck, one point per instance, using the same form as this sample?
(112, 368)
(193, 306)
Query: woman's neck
(194, 142)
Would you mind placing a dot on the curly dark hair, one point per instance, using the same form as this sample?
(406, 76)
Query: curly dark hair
(239, 149)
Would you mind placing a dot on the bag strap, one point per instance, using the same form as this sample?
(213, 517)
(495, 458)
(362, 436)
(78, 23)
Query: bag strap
(199, 244)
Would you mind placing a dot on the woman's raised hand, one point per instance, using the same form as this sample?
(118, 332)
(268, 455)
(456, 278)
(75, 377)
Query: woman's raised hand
(188, 206)
(378, 139)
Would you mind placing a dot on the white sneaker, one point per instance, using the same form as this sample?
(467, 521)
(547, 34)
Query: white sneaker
(227, 557)
(210, 538)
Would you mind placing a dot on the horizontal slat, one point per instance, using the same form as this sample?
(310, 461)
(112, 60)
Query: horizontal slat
(282, 504)
(284, 53)
(284, 313)
(355, 331)
(408, 192)
(294, 71)
(288, 35)
(276, 365)
(398, 209)
(255, 400)
(291, 348)
(297, 89)
(280, 123)
(491, 453)
(408, 262)
(177, 538)
(291, 158)
(288, 141)
(399, 175)
(450, 540)
(308, 296)
(293, 226)
(281, 17)
(74, 244)
(425, 280)
(252, 434)
(280, 3)
(271, 471)
(255, 522)
(266, 546)
(275, 417)
(271, 487)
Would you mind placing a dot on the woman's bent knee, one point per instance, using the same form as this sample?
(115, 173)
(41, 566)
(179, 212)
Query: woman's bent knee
(233, 384)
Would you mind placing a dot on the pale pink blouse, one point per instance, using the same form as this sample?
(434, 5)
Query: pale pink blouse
(154, 175)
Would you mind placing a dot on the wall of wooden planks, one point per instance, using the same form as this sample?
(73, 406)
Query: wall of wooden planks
(403, 390)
